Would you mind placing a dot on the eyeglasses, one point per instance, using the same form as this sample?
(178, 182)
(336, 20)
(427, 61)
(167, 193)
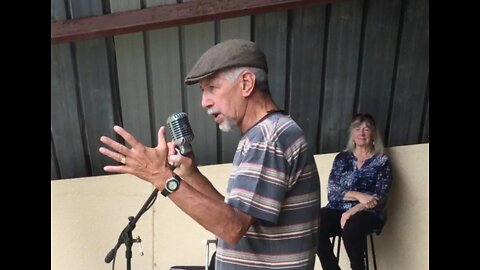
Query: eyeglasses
(363, 117)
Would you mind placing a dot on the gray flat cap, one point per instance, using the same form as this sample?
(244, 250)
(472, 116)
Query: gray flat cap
(227, 54)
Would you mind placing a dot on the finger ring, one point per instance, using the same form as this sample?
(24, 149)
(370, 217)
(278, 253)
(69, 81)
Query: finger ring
(123, 160)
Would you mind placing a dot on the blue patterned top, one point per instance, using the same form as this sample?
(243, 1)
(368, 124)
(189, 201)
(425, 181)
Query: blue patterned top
(373, 178)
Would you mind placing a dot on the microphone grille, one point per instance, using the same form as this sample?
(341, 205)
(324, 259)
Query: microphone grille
(179, 128)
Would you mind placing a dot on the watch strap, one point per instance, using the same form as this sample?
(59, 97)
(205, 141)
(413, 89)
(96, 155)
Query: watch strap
(165, 192)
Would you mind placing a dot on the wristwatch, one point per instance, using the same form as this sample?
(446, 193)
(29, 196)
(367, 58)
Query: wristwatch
(171, 185)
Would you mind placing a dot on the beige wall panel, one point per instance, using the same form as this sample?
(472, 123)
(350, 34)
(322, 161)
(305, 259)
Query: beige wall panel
(89, 213)
(87, 216)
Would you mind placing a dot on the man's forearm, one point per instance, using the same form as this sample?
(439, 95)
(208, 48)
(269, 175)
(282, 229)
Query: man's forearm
(199, 182)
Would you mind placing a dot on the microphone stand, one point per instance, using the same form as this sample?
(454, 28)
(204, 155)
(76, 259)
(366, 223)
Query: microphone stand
(126, 235)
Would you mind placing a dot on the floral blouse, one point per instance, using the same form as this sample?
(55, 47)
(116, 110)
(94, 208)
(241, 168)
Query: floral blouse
(373, 178)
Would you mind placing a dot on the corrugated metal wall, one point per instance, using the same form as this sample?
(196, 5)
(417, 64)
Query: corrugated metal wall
(325, 63)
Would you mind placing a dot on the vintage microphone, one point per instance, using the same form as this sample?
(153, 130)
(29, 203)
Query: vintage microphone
(181, 132)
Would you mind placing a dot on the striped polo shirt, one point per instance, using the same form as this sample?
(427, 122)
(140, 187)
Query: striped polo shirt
(275, 180)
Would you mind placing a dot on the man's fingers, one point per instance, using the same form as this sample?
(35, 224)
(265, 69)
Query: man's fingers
(117, 169)
(162, 141)
(174, 158)
(127, 137)
(113, 155)
(120, 148)
(171, 148)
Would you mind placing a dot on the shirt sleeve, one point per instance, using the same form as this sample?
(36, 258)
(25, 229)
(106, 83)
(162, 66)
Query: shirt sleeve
(336, 191)
(384, 180)
(260, 182)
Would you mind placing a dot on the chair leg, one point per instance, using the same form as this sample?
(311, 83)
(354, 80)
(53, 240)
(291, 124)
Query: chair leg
(366, 255)
(207, 252)
(366, 251)
(338, 245)
(373, 253)
(338, 248)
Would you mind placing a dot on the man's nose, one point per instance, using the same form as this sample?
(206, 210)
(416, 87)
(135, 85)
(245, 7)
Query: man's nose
(206, 101)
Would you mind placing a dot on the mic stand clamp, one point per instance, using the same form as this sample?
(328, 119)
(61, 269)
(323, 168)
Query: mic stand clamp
(126, 235)
(124, 238)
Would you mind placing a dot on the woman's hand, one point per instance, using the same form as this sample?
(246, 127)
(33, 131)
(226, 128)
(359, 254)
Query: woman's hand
(344, 218)
(147, 163)
(368, 200)
(350, 212)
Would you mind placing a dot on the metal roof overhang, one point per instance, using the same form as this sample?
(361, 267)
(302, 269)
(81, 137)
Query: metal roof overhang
(163, 16)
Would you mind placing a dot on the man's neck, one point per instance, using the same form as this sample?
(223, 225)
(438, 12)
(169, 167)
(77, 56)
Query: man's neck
(257, 108)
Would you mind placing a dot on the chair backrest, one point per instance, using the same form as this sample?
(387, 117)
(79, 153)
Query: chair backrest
(211, 265)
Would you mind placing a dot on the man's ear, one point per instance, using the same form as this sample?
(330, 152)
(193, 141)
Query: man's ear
(247, 82)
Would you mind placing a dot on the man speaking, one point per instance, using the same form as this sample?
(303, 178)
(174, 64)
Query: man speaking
(269, 217)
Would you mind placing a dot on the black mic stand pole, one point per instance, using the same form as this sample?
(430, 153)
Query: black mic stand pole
(126, 235)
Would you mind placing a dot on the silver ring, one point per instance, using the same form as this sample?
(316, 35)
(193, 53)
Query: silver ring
(123, 160)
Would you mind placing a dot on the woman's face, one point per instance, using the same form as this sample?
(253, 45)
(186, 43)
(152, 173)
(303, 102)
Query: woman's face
(362, 135)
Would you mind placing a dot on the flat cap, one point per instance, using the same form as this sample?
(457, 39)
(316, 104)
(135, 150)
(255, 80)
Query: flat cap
(227, 54)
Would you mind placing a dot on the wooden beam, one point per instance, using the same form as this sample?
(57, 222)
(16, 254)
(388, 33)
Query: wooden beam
(166, 16)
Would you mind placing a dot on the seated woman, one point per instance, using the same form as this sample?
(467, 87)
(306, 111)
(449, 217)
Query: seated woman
(358, 186)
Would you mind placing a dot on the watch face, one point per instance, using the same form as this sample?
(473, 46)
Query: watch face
(172, 185)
